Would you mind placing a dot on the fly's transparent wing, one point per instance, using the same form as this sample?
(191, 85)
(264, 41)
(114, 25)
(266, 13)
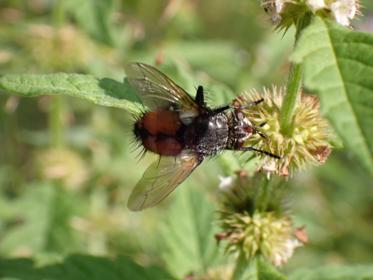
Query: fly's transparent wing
(160, 179)
(156, 90)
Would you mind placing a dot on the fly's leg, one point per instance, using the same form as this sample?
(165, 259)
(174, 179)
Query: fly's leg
(237, 109)
(251, 104)
(261, 134)
(244, 149)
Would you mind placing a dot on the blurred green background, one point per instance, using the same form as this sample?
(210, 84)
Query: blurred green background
(67, 166)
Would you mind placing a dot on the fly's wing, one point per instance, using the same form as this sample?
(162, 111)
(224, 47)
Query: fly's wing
(156, 90)
(160, 179)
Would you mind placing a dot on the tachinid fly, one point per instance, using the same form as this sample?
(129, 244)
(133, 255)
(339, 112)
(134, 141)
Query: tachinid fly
(182, 130)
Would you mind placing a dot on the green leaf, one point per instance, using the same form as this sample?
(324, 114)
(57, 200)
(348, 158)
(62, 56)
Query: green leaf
(95, 17)
(188, 233)
(105, 92)
(338, 64)
(43, 226)
(80, 267)
(358, 272)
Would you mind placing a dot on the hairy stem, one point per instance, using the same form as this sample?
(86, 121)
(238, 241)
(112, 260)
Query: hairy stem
(263, 195)
(288, 105)
(241, 266)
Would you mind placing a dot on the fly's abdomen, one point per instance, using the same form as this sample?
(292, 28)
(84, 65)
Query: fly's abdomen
(160, 122)
(165, 146)
(159, 131)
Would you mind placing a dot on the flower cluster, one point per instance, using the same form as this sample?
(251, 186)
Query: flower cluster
(309, 140)
(250, 230)
(63, 165)
(285, 12)
(62, 49)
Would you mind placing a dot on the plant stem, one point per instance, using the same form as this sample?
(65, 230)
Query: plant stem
(56, 122)
(56, 110)
(241, 266)
(294, 84)
(264, 194)
(288, 105)
(58, 14)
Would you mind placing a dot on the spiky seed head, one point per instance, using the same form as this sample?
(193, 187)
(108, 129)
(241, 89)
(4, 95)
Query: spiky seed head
(308, 142)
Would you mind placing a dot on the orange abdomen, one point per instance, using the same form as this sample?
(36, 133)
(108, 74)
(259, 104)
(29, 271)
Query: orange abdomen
(159, 132)
(167, 147)
(161, 122)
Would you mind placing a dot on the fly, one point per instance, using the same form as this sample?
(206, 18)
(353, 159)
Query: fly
(183, 131)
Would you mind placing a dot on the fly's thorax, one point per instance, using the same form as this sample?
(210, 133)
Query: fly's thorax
(207, 134)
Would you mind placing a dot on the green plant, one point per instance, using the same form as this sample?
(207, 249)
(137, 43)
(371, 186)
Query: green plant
(251, 221)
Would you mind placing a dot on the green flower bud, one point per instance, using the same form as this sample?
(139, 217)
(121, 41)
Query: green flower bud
(250, 229)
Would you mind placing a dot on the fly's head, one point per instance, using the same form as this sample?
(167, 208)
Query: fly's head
(242, 129)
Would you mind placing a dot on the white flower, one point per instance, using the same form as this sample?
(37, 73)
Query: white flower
(286, 252)
(316, 4)
(343, 11)
(279, 4)
(286, 12)
(274, 8)
(225, 182)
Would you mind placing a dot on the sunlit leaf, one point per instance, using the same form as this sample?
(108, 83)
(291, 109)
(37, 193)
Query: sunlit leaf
(105, 92)
(339, 66)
